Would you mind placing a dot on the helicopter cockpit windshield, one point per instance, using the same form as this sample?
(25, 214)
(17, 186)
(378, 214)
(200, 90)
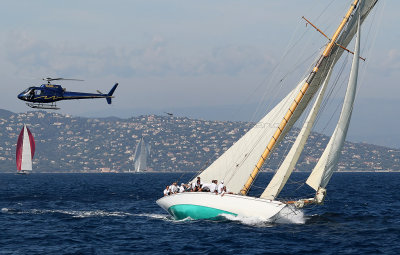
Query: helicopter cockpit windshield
(30, 93)
(25, 92)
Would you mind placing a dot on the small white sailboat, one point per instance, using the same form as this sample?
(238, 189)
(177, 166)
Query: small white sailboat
(241, 163)
(142, 151)
(25, 151)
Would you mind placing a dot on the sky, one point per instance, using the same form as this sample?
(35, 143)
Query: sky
(206, 59)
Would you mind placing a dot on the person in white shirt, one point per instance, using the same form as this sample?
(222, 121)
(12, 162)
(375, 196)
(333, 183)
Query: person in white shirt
(166, 191)
(173, 188)
(213, 186)
(220, 187)
(205, 187)
(182, 188)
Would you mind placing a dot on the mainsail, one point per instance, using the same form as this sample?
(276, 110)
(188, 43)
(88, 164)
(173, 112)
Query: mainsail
(239, 165)
(141, 153)
(327, 164)
(25, 150)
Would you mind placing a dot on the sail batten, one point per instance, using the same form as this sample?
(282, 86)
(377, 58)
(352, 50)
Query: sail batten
(327, 164)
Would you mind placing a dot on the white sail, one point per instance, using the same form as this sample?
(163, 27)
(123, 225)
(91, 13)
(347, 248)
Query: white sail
(285, 170)
(322, 172)
(26, 162)
(238, 162)
(141, 153)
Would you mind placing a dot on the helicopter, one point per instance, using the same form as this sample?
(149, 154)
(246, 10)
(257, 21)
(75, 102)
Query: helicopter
(46, 96)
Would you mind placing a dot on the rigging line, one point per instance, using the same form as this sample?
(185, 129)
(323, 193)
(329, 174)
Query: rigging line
(324, 10)
(336, 92)
(276, 67)
(269, 158)
(262, 135)
(296, 67)
(328, 97)
(258, 187)
(273, 73)
(274, 70)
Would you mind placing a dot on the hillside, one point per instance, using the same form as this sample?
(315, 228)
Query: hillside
(73, 144)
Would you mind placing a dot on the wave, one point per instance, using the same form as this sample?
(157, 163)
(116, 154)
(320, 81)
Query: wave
(73, 213)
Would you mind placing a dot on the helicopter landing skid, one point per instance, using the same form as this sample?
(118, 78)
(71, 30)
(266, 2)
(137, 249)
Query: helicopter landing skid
(51, 106)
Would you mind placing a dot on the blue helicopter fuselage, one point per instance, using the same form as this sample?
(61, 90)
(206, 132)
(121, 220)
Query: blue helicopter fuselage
(49, 93)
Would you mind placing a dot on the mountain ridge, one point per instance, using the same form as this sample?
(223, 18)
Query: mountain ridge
(66, 143)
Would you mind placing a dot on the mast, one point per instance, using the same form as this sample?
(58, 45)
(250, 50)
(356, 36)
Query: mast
(297, 100)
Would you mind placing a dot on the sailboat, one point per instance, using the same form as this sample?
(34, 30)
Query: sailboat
(141, 153)
(239, 166)
(25, 151)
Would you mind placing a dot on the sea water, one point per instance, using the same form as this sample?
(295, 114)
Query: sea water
(117, 214)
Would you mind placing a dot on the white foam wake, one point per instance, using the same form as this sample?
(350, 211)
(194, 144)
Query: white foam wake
(165, 217)
(288, 215)
(250, 221)
(73, 213)
(153, 216)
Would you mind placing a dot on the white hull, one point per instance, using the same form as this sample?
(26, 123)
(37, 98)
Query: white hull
(206, 205)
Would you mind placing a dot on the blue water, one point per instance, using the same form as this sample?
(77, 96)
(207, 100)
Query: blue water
(117, 214)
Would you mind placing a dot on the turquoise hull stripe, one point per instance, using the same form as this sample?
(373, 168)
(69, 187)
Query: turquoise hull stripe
(195, 212)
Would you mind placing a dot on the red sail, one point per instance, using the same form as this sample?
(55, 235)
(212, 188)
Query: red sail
(20, 145)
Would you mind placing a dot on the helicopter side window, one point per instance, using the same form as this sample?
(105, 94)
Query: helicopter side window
(38, 92)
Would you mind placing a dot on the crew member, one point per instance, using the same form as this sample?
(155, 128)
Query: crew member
(220, 187)
(166, 191)
(173, 188)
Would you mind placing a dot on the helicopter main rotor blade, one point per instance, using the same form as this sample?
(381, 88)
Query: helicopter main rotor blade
(58, 79)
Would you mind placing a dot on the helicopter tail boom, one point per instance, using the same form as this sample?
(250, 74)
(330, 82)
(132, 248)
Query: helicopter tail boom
(109, 95)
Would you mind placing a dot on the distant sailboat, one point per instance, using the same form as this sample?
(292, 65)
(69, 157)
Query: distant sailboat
(240, 164)
(141, 153)
(25, 151)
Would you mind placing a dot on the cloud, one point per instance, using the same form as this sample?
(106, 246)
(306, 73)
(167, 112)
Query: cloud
(154, 58)
(392, 61)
